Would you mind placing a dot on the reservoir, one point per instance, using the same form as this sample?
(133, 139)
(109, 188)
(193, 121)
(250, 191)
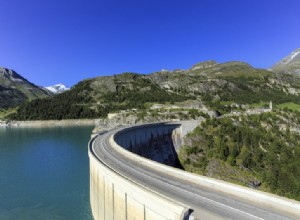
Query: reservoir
(44, 173)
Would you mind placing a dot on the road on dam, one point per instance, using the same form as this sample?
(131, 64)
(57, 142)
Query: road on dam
(205, 203)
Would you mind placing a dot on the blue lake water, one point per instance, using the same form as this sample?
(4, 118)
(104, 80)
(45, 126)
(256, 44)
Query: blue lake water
(44, 173)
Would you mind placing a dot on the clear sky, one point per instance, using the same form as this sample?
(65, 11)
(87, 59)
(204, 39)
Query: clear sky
(53, 41)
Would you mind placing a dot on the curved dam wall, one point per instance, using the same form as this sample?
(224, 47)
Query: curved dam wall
(178, 132)
(154, 142)
(114, 196)
(159, 142)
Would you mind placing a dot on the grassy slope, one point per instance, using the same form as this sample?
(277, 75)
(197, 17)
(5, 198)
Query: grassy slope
(5, 112)
(290, 105)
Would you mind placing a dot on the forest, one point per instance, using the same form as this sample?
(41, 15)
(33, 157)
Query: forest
(260, 145)
(81, 102)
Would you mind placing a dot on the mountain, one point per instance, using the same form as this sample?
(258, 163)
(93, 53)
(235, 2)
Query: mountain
(15, 89)
(97, 97)
(216, 85)
(289, 64)
(241, 138)
(58, 88)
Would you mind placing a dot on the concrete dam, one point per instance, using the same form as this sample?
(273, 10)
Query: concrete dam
(159, 142)
(133, 175)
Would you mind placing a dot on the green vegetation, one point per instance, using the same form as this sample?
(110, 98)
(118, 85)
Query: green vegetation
(249, 97)
(233, 69)
(260, 148)
(14, 89)
(216, 85)
(10, 97)
(260, 104)
(5, 112)
(246, 90)
(83, 101)
(142, 92)
(68, 105)
(290, 105)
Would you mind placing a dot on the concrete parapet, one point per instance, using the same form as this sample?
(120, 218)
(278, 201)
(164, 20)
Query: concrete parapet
(114, 196)
(258, 197)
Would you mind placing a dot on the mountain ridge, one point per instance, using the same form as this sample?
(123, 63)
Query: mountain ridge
(289, 64)
(213, 83)
(15, 89)
(207, 81)
(243, 138)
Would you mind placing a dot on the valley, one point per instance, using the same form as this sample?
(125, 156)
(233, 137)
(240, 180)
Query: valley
(250, 130)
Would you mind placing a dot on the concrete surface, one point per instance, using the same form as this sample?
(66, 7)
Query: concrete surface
(123, 182)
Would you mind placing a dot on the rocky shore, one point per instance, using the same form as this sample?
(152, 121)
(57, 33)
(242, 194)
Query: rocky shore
(50, 123)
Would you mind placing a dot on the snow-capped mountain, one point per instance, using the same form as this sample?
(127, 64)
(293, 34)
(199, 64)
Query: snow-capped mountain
(289, 64)
(58, 88)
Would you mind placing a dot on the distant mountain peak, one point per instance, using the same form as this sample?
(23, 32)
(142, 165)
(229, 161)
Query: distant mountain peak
(58, 88)
(289, 64)
(295, 55)
(15, 89)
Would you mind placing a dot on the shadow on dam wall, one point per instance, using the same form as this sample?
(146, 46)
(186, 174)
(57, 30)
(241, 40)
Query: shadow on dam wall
(159, 142)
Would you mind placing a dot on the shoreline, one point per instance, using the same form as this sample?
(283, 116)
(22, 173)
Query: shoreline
(50, 123)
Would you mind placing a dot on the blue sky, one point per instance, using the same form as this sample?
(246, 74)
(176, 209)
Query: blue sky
(53, 41)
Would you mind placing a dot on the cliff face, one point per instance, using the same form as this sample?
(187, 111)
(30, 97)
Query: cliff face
(14, 89)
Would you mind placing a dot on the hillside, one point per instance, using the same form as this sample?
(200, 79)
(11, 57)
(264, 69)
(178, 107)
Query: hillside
(14, 89)
(219, 87)
(260, 151)
(250, 131)
(97, 97)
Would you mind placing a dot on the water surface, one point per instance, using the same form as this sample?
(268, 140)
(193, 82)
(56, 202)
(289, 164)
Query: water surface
(44, 173)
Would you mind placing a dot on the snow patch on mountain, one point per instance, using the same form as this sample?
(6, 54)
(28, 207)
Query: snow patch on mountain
(291, 57)
(58, 88)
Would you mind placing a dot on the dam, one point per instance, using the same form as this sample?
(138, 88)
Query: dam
(133, 175)
(158, 142)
